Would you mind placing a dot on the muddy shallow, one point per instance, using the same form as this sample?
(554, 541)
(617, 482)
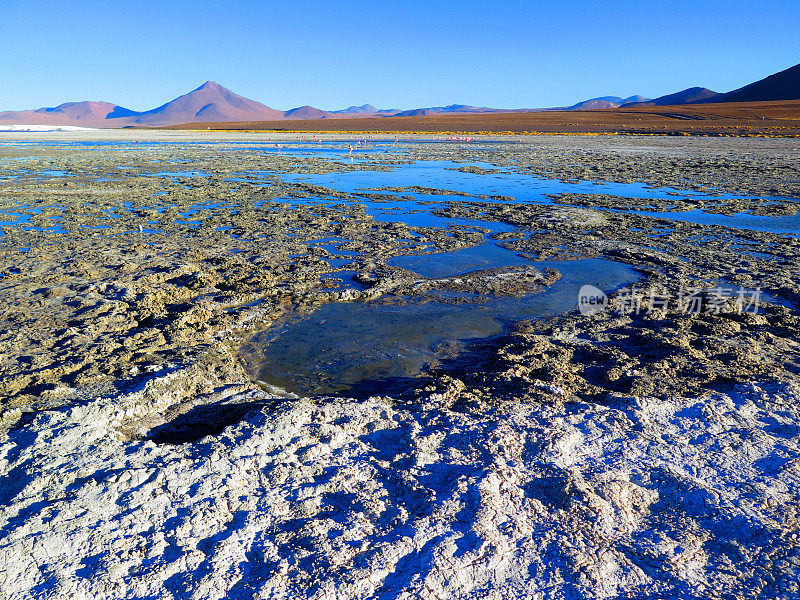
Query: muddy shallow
(121, 255)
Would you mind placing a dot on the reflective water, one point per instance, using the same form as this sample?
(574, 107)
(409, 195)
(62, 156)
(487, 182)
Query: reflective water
(366, 348)
(504, 186)
(785, 224)
(515, 187)
(370, 348)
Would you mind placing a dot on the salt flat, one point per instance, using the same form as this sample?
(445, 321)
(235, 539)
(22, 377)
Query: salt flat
(646, 453)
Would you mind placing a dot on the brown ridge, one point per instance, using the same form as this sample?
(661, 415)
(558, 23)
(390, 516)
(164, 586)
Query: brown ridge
(781, 118)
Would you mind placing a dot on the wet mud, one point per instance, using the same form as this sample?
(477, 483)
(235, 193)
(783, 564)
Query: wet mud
(119, 260)
(251, 365)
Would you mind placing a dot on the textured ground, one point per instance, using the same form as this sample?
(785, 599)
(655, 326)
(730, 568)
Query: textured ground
(606, 456)
(690, 498)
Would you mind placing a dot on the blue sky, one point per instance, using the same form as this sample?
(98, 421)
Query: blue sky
(402, 54)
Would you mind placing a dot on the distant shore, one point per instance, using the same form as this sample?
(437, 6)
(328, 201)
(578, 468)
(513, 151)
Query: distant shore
(779, 119)
(738, 119)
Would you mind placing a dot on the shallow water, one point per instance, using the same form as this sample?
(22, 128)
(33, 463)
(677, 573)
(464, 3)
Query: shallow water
(785, 224)
(441, 174)
(505, 186)
(447, 264)
(363, 349)
(370, 348)
(529, 189)
(367, 348)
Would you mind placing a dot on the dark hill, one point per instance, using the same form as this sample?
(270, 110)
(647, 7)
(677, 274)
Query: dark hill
(784, 85)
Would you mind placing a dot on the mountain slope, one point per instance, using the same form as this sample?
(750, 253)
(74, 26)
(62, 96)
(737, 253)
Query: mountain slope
(633, 100)
(693, 94)
(606, 102)
(364, 109)
(306, 112)
(453, 109)
(87, 113)
(594, 103)
(209, 102)
(784, 85)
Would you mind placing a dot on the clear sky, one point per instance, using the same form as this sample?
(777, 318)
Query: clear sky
(391, 54)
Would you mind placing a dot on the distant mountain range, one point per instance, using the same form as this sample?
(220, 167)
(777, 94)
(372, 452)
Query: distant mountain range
(212, 102)
(784, 85)
(607, 102)
(209, 103)
(687, 96)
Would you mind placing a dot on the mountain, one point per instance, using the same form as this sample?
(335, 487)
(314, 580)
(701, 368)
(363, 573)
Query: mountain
(88, 110)
(593, 104)
(599, 102)
(606, 102)
(784, 85)
(86, 113)
(633, 100)
(687, 96)
(452, 109)
(416, 112)
(464, 108)
(364, 109)
(212, 102)
(306, 112)
(209, 102)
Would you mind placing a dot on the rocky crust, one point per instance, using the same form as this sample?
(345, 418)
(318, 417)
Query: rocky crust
(686, 497)
(614, 455)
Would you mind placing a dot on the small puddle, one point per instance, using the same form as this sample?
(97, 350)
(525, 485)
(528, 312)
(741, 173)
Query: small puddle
(361, 349)
(783, 224)
(447, 264)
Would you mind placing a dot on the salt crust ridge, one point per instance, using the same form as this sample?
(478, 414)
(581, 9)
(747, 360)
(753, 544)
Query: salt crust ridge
(691, 497)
